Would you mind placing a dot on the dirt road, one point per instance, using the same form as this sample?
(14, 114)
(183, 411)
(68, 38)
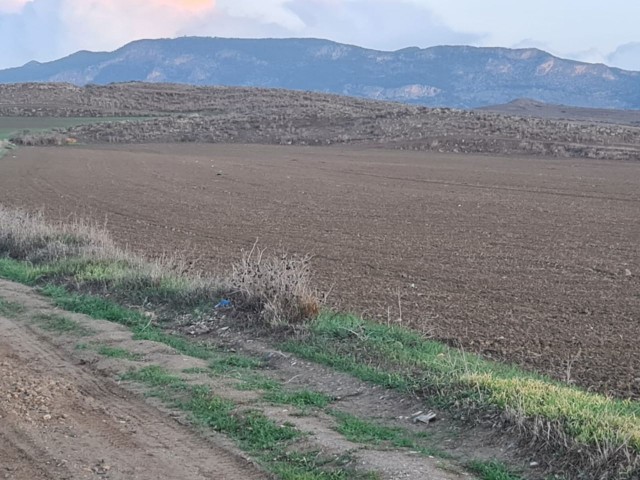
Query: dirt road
(63, 417)
(532, 261)
(59, 421)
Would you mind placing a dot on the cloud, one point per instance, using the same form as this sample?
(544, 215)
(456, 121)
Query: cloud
(381, 24)
(108, 24)
(47, 29)
(12, 6)
(34, 33)
(626, 56)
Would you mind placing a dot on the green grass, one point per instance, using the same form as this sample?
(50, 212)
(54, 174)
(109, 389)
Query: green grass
(154, 376)
(10, 309)
(234, 362)
(267, 441)
(367, 432)
(196, 371)
(390, 356)
(12, 125)
(17, 271)
(255, 381)
(243, 369)
(120, 353)
(492, 471)
(61, 324)
(299, 398)
(125, 282)
(362, 431)
(102, 309)
(401, 359)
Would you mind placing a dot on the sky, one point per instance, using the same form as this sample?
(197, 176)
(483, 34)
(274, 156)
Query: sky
(586, 30)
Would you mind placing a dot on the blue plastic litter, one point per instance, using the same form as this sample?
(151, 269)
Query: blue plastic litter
(223, 304)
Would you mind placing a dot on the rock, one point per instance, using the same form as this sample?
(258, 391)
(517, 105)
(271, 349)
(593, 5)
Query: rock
(424, 418)
(627, 272)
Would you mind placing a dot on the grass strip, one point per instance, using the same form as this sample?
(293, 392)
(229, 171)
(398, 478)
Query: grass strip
(270, 443)
(366, 432)
(120, 353)
(102, 309)
(61, 324)
(299, 398)
(10, 309)
(492, 471)
(398, 358)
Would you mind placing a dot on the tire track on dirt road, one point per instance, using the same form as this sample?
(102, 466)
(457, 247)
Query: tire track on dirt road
(91, 425)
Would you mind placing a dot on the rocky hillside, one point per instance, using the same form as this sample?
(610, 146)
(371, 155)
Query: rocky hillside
(285, 117)
(452, 76)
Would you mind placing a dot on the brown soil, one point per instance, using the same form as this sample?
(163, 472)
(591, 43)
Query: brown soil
(62, 421)
(528, 260)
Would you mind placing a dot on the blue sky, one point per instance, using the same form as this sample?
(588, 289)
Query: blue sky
(587, 30)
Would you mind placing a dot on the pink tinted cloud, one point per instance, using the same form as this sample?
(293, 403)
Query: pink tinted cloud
(12, 6)
(107, 24)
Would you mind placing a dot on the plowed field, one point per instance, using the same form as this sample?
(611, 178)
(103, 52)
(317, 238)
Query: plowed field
(533, 261)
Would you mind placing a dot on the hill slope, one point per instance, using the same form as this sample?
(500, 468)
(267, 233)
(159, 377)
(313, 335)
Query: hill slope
(524, 107)
(454, 76)
(180, 113)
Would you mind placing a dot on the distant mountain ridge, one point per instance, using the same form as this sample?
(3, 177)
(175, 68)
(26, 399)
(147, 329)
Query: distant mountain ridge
(451, 76)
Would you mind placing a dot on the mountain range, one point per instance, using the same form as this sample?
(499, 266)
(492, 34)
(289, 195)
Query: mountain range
(447, 76)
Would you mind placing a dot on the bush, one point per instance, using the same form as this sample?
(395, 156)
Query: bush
(84, 256)
(30, 139)
(278, 288)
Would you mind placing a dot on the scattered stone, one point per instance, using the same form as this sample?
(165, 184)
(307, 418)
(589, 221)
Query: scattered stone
(425, 418)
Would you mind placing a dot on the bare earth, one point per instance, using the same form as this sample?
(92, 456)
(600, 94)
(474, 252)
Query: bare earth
(63, 417)
(60, 421)
(534, 261)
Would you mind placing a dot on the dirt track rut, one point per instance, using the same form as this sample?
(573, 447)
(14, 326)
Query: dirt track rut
(60, 421)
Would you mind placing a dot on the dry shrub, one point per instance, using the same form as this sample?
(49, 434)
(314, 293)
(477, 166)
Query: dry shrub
(93, 261)
(26, 236)
(37, 139)
(278, 288)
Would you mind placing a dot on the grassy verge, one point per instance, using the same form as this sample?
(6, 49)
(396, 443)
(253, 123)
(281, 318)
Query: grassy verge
(270, 443)
(593, 431)
(604, 430)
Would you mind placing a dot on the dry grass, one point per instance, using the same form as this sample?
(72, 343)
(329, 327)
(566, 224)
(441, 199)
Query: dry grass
(280, 117)
(276, 287)
(37, 139)
(5, 146)
(26, 236)
(82, 255)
